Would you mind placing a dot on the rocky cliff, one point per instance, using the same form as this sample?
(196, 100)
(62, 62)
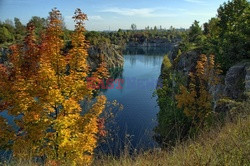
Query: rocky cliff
(234, 85)
(111, 54)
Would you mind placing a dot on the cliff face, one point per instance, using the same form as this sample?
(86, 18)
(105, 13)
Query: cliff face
(234, 85)
(111, 54)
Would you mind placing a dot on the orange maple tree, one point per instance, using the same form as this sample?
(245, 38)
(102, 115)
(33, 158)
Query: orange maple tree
(42, 86)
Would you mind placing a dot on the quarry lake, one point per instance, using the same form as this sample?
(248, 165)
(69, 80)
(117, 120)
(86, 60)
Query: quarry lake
(135, 91)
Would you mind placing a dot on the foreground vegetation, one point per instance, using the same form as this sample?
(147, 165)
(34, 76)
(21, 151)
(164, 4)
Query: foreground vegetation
(227, 143)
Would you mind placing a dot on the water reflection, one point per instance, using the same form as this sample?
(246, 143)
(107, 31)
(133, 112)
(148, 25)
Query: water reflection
(147, 50)
(138, 118)
(147, 60)
(146, 55)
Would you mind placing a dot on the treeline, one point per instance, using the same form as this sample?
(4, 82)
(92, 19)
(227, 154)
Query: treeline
(13, 32)
(187, 98)
(124, 37)
(147, 35)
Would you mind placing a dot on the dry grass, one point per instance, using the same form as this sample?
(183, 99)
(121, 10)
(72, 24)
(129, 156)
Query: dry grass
(227, 145)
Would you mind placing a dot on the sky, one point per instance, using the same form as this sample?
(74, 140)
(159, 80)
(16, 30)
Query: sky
(115, 14)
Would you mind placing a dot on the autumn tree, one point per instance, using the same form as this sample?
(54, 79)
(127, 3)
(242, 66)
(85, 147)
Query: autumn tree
(196, 99)
(43, 87)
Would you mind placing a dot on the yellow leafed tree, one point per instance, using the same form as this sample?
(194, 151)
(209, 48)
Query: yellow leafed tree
(195, 99)
(43, 86)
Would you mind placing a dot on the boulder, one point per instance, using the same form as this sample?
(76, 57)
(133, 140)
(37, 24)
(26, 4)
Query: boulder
(237, 81)
(186, 63)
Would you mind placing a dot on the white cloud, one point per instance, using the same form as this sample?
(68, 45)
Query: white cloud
(94, 17)
(141, 12)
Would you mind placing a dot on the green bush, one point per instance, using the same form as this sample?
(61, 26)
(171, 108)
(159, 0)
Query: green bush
(173, 125)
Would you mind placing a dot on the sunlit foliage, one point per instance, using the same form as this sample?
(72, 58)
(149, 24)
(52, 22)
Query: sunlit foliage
(42, 86)
(196, 99)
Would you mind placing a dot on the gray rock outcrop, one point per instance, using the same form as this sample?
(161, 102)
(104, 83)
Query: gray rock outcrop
(234, 85)
(237, 80)
(112, 55)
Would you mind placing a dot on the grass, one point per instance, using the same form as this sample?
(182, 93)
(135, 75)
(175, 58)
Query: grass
(224, 145)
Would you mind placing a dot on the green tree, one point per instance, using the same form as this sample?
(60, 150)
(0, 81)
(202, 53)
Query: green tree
(228, 34)
(5, 35)
(19, 29)
(234, 32)
(39, 23)
(173, 124)
(195, 33)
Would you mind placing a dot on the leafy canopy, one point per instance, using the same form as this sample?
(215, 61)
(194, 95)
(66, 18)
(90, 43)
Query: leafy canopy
(43, 86)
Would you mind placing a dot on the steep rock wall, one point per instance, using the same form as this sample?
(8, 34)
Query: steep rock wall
(234, 85)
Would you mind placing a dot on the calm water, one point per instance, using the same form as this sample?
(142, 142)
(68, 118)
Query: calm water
(138, 118)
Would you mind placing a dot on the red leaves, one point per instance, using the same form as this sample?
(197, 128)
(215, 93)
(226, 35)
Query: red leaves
(3, 71)
(101, 127)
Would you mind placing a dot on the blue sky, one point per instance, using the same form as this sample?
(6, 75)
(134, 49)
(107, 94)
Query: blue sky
(115, 14)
